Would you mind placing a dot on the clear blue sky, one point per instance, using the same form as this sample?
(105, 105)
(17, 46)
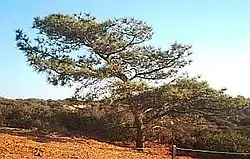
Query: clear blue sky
(219, 31)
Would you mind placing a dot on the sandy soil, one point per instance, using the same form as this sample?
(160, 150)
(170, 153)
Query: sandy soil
(19, 144)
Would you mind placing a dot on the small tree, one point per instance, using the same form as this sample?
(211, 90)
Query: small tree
(102, 59)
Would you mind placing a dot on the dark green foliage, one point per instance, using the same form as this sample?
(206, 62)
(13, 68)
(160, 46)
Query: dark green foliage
(79, 48)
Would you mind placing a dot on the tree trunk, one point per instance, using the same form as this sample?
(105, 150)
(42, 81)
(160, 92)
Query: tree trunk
(138, 124)
(139, 133)
(139, 138)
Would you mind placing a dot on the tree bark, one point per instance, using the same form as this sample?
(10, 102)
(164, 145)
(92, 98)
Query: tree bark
(139, 140)
(138, 124)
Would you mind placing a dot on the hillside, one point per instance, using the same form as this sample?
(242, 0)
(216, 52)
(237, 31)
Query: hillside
(20, 143)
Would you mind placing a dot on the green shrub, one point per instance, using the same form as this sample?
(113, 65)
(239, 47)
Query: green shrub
(233, 141)
(52, 116)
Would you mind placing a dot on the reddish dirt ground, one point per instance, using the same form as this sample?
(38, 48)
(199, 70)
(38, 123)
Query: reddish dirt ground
(19, 144)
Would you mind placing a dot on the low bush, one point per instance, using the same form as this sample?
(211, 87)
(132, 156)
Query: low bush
(233, 141)
(55, 117)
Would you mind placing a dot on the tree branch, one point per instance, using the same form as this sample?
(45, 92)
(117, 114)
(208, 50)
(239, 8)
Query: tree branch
(167, 65)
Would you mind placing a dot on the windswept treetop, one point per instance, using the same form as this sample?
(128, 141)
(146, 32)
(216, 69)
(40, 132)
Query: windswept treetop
(80, 49)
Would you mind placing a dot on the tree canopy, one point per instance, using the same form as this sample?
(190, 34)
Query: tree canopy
(98, 55)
